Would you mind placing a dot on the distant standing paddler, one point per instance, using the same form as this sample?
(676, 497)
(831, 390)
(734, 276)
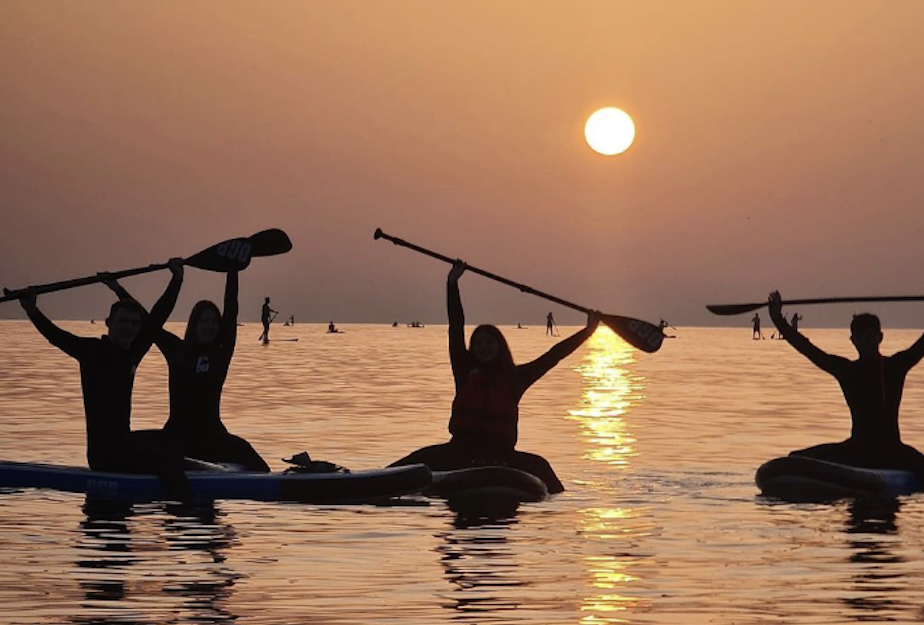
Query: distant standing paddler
(550, 328)
(267, 315)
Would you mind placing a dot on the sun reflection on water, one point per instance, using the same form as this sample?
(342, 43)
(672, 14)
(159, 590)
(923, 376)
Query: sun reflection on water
(610, 391)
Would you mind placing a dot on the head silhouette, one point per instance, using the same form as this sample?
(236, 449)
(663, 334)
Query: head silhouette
(124, 322)
(489, 348)
(203, 324)
(866, 334)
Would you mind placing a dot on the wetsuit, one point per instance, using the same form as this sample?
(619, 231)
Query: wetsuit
(107, 374)
(197, 375)
(488, 434)
(872, 388)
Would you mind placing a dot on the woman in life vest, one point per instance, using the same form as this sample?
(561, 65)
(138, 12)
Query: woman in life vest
(485, 413)
(198, 366)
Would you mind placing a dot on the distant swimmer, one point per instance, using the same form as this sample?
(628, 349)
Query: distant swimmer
(755, 329)
(872, 386)
(550, 328)
(267, 315)
(489, 385)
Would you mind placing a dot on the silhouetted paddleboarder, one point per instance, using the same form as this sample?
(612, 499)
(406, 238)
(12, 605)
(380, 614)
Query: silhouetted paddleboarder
(755, 331)
(198, 366)
(107, 374)
(267, 315)
(872, 387)
(662, 325)
(485, 410)
(550, 328)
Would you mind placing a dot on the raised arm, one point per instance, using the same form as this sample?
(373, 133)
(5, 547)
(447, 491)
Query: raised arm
(164, 306)
(532, 371)
(227, 333)
(820, 358)
(457, 352)
(68, 343)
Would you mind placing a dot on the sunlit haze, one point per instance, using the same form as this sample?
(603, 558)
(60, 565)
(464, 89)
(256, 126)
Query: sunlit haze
(779, 147)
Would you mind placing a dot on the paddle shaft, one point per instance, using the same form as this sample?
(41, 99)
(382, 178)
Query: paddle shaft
(638, 333)
(70, 284)
(487, 274)
(739, 309)
(233, 254)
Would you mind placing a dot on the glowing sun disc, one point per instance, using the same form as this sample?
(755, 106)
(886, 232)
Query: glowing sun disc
(609, 131)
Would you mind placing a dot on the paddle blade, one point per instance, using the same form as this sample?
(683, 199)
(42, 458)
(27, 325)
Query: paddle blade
(235, 254)
(734, 309)
(269, 243)
(637, 333)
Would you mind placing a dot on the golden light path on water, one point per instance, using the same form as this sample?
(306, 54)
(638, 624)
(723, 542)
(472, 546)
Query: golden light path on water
(610, 391)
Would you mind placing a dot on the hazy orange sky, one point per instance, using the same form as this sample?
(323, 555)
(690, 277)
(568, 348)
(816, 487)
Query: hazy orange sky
(779, 145)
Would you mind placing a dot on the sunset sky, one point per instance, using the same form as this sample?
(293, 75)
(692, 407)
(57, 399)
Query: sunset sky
(779, 145)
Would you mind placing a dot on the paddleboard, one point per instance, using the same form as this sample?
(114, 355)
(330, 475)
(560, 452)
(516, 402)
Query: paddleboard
(488, 484)
(331, 487)
(799, 478)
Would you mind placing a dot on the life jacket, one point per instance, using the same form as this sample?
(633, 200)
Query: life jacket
(485, 408)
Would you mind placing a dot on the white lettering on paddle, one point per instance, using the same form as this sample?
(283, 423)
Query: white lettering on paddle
(236, 249)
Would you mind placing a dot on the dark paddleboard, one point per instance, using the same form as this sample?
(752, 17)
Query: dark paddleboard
(488, 485)
(331, 487)
(798, 478)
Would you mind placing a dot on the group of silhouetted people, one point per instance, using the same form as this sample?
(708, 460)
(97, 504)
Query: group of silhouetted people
(484, 414)
(198, 365)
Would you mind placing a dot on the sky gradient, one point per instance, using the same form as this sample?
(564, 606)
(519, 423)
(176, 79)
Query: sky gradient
(779, 146)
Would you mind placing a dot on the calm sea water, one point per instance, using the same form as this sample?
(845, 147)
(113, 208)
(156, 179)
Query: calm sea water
(661, 522)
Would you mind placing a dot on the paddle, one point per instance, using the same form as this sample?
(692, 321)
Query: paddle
(640, 334)
(225, 256)
(739, 309)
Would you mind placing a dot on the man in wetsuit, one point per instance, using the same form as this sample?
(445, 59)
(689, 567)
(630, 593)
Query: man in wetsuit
(107, 373)
(872, 386)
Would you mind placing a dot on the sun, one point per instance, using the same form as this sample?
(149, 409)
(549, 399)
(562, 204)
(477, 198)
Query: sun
(609, 131)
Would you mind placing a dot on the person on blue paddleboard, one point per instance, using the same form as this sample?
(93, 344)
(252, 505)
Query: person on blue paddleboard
(872, 386)
(485, 412)
(107, 373)
(198, 366)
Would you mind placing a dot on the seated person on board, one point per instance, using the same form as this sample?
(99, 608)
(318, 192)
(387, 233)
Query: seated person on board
(872, 386)
(198, 366)
(107, 373)
(489, 386)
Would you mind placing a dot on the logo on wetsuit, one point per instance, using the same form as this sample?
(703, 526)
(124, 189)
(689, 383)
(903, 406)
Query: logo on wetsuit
(202, 364)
